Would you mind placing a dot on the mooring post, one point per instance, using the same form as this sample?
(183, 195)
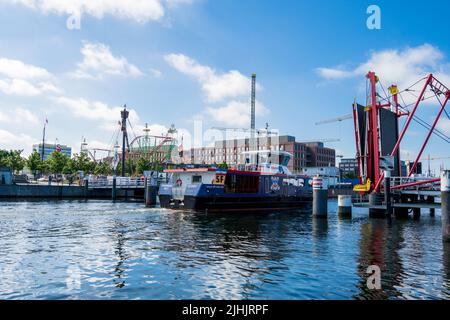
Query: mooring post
(387, 193)
(345, 206)
(432, 210)
(376, 200)
(320, 197)
(114, 189)
(148, 194)
(86, 188)
(445, 205)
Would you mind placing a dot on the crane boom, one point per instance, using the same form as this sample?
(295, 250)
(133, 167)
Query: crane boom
(339, 119)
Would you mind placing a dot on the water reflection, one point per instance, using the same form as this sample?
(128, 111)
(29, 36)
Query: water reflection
(124, 251)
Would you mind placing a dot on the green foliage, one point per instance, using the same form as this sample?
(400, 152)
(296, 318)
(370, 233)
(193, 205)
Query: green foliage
(57, 161)
(102, 168)
(69, 168)
(223, 166)
(12, 159)
(142, 165)
(130, 166)
(82, 162)
(34, 162)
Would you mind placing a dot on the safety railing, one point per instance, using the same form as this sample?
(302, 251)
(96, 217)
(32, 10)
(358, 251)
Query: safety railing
(128, 182)
(414, 183)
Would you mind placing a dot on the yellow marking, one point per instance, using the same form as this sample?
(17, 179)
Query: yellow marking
(393, 90)
(363, 187)
(219, 179)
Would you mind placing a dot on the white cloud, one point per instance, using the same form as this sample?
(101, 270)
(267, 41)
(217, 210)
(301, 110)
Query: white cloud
(18, 116)
(155, 73)
(236, 113)
(401, 67)
(141, 11)
(394, 66)
(20, 70)
(24, 79)
(216, 86)
(95, 111)
(22, 87)
(98, 62)
(14, 141)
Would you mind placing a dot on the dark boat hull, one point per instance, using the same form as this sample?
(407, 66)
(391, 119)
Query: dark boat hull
(236, 204)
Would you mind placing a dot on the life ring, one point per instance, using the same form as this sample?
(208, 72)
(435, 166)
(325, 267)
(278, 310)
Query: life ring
(179, 183)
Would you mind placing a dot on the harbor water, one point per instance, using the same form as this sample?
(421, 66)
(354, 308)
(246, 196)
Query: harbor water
(105, 250)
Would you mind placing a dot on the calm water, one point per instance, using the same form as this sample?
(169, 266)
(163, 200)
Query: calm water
(100, 250)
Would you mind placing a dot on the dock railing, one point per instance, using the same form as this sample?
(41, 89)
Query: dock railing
(121, 182)
(415, 183)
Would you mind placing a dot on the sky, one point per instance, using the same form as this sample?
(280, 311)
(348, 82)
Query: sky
(189, 63)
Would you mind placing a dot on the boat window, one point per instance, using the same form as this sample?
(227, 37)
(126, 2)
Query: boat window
(197, 179)
(241, 184)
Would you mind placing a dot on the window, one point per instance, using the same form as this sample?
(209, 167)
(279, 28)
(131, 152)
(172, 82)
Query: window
(196, 179)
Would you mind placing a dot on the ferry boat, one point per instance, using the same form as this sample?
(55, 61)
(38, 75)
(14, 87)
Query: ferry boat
(264, 183)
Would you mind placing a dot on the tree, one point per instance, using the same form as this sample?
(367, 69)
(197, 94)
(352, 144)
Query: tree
(130, 166)
(83, 163)
(69, 168)
(4, 158)
(15, 161)
(34, 162)
(223, 166)
(57, 161)
(102, 168)
(142, 165)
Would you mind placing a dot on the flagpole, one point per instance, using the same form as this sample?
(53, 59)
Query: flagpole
(43, 140)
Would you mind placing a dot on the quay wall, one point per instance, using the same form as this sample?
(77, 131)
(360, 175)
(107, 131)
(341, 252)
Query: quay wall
(62, 192)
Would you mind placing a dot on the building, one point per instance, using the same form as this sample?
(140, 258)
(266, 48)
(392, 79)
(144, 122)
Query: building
(406, 167)
(330, 174)
(319, 156)
(50, 148)
(349, 167)
(230, 151)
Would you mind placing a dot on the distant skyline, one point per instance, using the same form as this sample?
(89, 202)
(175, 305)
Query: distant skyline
(186, 62)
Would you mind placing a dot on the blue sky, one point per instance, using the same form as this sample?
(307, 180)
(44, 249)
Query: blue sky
(180, 61)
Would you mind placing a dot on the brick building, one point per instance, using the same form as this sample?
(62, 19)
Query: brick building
(313, 154)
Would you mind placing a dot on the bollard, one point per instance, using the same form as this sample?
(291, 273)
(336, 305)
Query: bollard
(151, 194)
(114, 189)
(345, 206)
(432, 210)
(376, 199)
(145, 190)
(445, 205)
(387, 193)
(86, 188)
(320, 198)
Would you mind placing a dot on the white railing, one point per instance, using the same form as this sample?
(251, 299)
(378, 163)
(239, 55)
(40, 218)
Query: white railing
(402, 181)
(95, 182)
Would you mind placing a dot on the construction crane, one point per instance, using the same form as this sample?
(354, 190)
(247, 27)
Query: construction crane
(339, 119)
(320, 140)
(253, 102)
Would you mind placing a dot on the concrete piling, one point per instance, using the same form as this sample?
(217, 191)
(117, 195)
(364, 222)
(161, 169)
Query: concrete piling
(345, 206)
(445, 205)
(376, 199)
(114, 189)
(387, 193)
(320, 197)
(86, 188)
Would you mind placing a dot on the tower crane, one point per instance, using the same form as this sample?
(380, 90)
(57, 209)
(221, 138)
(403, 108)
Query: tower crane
(339, 119)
